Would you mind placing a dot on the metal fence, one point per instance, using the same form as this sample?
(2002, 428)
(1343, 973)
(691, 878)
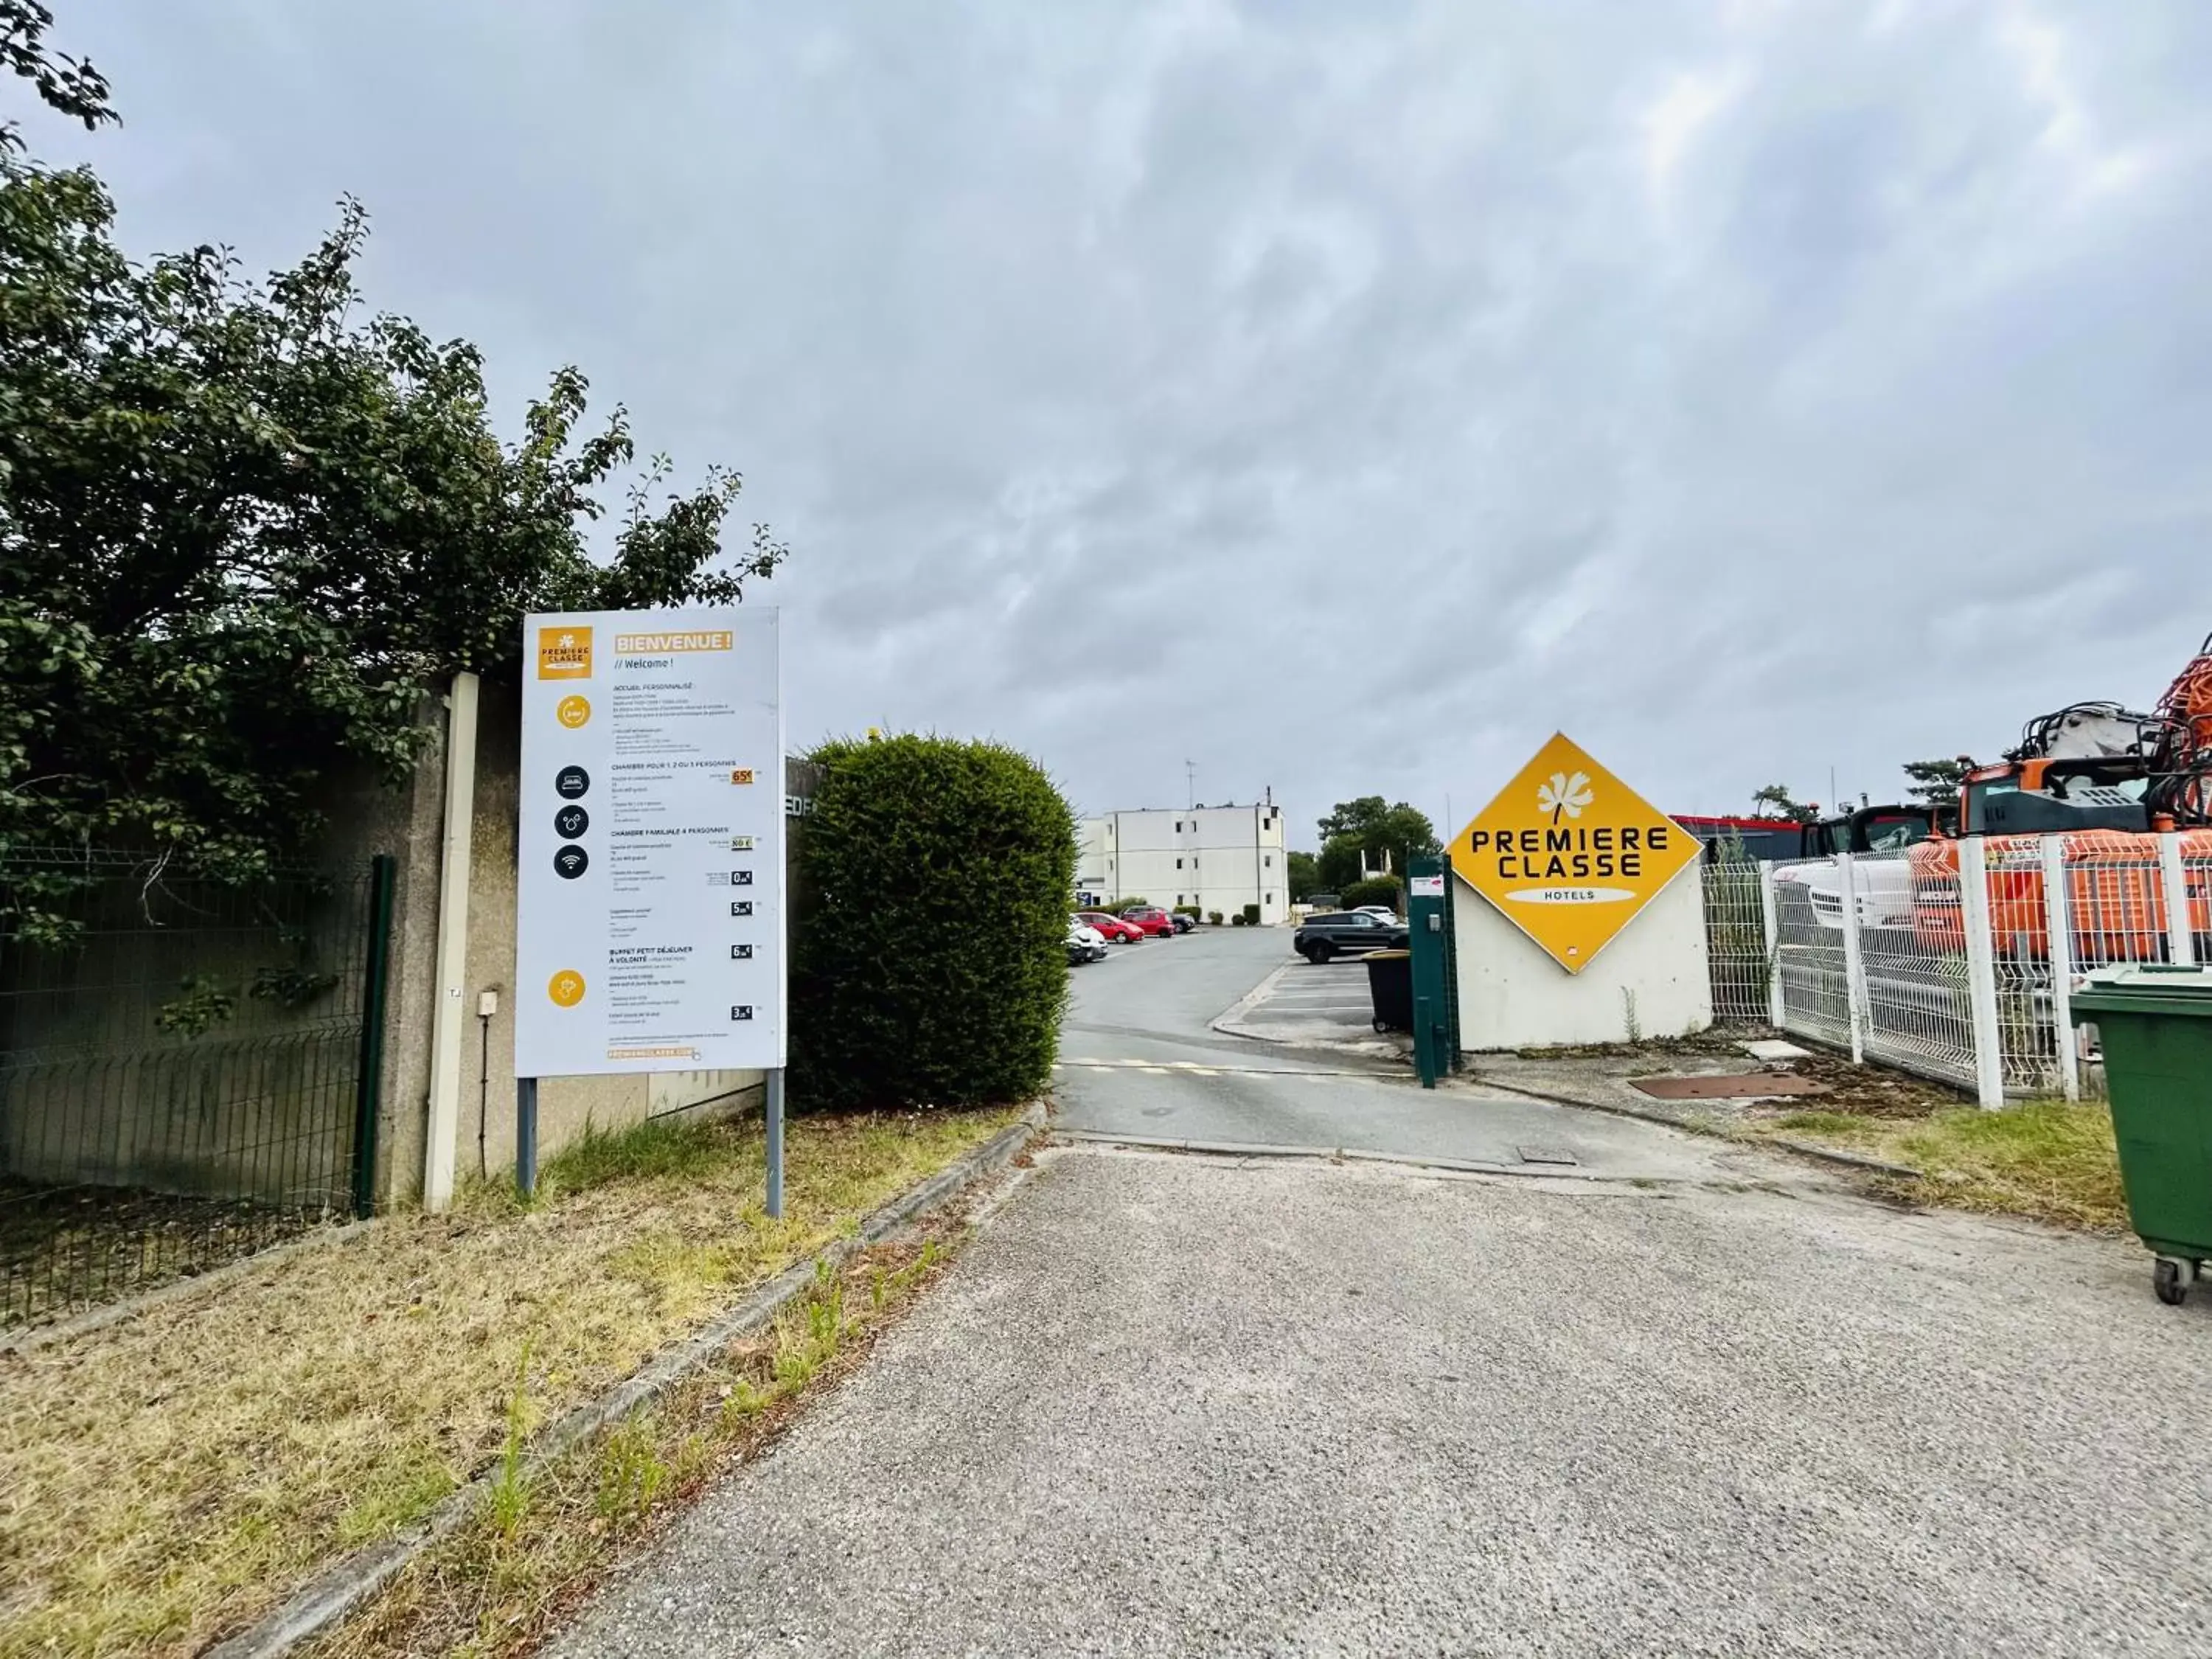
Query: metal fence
(185, 1071)
(1736, 936)
(1957, 960)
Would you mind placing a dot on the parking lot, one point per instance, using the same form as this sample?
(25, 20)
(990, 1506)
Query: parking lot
(1299, 1002)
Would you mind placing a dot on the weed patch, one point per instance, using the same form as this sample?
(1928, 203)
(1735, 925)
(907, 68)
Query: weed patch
(2047, 1160)
(492, 1590)
(170, 1478)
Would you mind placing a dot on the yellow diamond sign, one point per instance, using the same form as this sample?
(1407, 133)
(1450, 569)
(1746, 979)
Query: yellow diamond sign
(1569, 853)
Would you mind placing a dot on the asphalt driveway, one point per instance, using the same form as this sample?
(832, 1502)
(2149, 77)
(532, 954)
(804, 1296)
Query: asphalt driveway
(1173, 1405)
(1563, 1383)
(1141, 1062)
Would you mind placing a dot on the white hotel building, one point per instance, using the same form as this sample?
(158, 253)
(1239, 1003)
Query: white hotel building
(1218, 858)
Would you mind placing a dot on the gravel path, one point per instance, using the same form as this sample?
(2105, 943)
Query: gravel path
(1172, 1405)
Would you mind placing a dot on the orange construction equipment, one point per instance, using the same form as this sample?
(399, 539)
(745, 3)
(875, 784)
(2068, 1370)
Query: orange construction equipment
(2103, 779)
(2113, 881)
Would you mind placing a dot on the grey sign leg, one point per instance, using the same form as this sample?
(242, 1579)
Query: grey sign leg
(776, 1144)
(525, 1135)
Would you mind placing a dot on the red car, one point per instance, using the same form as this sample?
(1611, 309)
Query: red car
(1149, 917)
(1117, 930)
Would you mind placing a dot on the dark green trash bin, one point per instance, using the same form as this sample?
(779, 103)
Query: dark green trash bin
(2156, 1025)
(1390, 983)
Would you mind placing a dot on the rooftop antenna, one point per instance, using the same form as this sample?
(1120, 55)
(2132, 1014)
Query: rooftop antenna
(1190, 777)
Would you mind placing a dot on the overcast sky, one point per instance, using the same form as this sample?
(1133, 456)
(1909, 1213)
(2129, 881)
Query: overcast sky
(1339, 396)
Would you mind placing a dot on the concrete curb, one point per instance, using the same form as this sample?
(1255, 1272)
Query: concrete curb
(1849, 1160)
(1340, 1155)
(328, 1597)
(1857, 1161)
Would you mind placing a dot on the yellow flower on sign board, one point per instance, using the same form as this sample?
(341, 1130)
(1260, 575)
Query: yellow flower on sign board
(1569, 854)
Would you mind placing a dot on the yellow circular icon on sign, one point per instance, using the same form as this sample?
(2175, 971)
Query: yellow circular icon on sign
(572, 712)
(566, 988)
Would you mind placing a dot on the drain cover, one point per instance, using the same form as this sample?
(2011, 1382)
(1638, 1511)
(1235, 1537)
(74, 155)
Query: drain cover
(1756, 1085)
(1545, 1155)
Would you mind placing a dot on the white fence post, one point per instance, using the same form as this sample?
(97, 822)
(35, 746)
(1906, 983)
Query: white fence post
(1855, 991)
(2058, 928)
(1771, 920)
(1981, 971)
(2180, 935)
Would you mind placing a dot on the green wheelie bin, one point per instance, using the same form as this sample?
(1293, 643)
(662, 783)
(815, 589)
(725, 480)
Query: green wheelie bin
(2155, 1021)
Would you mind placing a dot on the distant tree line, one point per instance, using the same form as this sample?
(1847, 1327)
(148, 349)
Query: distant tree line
(1369, 831)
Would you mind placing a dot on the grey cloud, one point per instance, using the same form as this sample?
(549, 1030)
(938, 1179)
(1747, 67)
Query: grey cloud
(1340, 397)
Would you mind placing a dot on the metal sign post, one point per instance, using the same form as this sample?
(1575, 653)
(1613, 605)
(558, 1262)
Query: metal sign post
(1428, 920)
(776, 1144)
(526, 1137)
(649, 927)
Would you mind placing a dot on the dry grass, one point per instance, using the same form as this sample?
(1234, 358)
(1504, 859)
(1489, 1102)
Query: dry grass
(529, 1554)
(168, 1479)
(2045, 1160)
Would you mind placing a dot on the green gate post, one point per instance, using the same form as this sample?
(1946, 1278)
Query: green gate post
(368, 1073)
(1429, 920)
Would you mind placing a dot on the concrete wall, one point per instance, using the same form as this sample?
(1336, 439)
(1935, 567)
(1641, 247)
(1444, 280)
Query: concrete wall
(369, 815)
(258, 1104)
(261, 1105)
(1651, 981)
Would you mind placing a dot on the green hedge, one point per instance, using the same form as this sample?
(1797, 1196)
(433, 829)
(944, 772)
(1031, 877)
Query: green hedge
(1251, 915)
(1374, 889)
(928, 926)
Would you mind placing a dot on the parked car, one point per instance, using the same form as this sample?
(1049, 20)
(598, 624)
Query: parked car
(1116, 931)
(1152, 920)
(1345, 932)
(1084, 942)
(1183, 924)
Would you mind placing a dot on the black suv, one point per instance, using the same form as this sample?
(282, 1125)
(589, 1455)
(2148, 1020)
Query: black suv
(1347, 932)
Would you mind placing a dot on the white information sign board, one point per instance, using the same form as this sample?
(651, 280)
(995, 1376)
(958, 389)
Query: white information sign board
(649, 932)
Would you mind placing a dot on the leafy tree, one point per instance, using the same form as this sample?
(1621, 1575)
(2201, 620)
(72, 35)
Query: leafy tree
(1935, 782)
(1374, 889)
(69, 85)
(1305, 875)
(1382, 832)
(1337, 865)
(242, 529)
(1777, 797)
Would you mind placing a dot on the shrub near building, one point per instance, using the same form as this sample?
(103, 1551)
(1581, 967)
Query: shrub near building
(1374, 889)
(929, 962)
